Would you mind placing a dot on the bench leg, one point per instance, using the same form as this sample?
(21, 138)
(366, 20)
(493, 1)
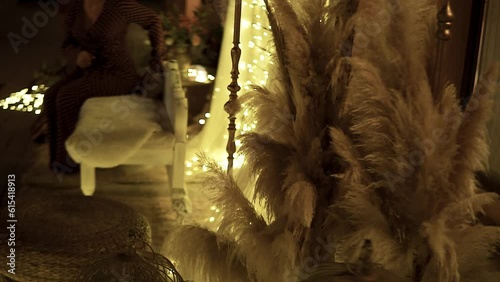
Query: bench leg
(87, 179)
(180, 198)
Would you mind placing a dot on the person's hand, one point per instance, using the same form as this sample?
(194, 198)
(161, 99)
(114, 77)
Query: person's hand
(84, 59)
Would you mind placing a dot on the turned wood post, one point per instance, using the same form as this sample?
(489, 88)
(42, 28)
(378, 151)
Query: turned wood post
(445, 19)
(232, 106)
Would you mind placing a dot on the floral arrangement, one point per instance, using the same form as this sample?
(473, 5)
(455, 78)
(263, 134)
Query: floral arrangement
(180, 30)
(202, 36)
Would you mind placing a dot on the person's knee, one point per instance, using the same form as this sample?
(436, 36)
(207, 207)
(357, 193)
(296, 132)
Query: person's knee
(66, 97)
(49, 102)
(50, 95)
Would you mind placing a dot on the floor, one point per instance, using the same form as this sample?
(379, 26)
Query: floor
(143, 188)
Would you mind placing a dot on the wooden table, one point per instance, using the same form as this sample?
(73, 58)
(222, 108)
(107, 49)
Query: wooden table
(199, 96)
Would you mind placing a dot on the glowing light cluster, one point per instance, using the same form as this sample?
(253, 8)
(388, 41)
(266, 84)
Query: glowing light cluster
(258, 45)
(199, 74)
(203, 120)
(22, 101)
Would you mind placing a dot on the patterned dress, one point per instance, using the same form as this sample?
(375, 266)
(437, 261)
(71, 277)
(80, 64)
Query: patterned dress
(112, 71)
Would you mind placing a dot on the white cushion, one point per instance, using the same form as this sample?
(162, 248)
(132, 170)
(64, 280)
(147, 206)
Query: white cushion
(159, 149)
(115, 128)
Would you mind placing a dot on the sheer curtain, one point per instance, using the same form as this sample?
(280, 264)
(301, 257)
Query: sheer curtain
(491, 53)
(255, 40)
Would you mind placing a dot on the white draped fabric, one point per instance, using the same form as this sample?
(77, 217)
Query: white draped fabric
(255, 39)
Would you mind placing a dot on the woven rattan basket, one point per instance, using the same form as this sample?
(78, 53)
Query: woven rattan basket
(58, 236)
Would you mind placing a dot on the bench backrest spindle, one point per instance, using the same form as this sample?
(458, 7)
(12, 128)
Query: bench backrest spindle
(174, 97)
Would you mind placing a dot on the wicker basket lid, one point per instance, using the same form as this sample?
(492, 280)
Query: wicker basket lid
(71, 220)
(57, 236)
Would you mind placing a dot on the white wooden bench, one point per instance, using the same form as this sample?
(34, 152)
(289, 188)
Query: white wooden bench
(166, 146)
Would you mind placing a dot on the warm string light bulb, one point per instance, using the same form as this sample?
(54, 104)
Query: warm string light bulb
(199, 74)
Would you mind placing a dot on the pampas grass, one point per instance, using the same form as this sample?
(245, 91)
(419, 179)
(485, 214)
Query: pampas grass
(201, 255)
(351, 145)
(417, 150)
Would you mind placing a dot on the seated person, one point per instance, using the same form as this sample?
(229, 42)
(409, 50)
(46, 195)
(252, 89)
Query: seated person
(95, 42)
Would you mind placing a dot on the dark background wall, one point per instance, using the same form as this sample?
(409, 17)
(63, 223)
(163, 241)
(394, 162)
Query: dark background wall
(460, 53)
